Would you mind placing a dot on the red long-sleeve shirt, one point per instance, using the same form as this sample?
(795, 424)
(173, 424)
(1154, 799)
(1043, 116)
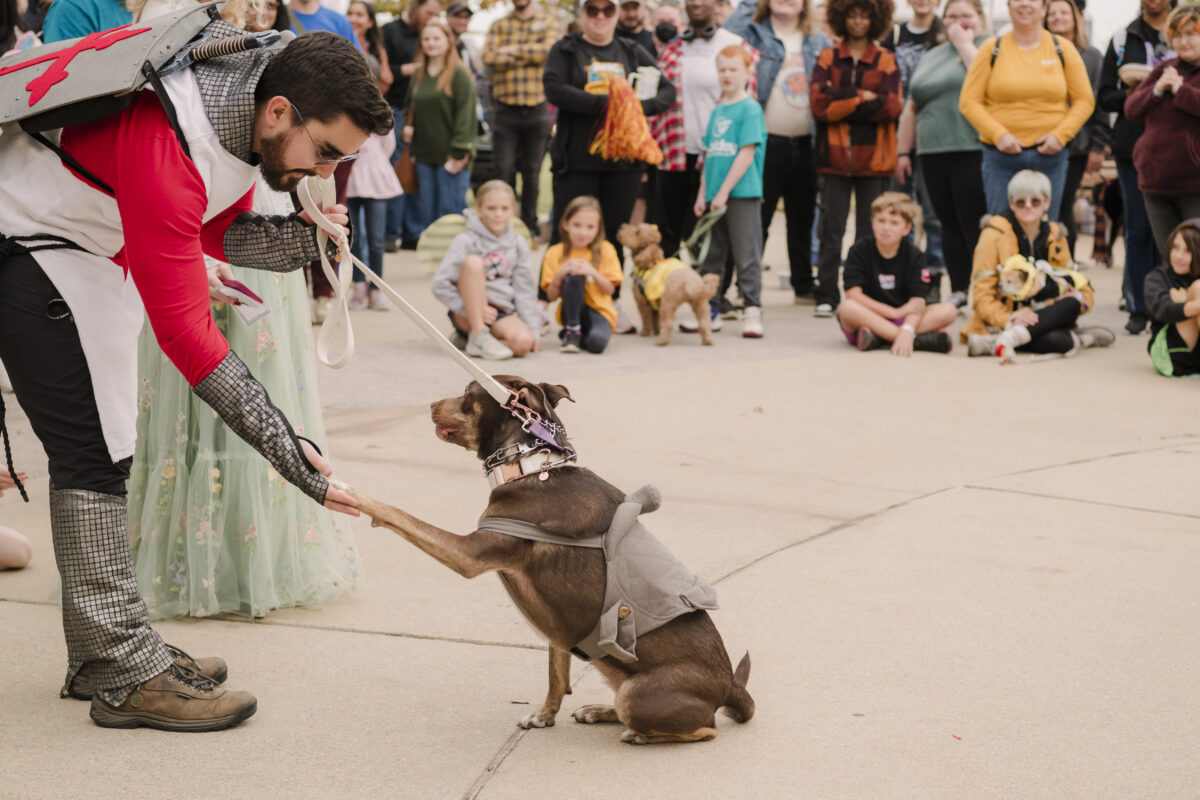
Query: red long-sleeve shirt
(162, 199)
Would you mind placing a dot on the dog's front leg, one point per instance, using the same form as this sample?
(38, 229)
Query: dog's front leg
(469, 555)
(560, 684)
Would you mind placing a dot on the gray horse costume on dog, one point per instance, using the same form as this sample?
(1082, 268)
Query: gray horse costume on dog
(647, 586)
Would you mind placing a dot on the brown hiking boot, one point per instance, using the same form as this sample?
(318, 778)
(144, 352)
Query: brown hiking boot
(179, 699)
(215, 668)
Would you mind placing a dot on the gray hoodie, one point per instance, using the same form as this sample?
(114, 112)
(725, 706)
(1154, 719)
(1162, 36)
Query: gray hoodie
(511, 285)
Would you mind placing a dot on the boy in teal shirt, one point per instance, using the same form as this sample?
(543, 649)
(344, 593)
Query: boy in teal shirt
(732, 178)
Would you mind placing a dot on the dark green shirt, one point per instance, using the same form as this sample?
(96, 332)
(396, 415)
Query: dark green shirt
(443, 125)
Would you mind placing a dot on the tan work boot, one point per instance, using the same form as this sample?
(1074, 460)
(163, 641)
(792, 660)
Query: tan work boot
(179, 699)
(214, 668)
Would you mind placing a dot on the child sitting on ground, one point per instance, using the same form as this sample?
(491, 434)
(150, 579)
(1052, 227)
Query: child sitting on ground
(486, 280)
(732, 178)
(1173, 300)
(15, 550)
(583, 269)
(886, 283)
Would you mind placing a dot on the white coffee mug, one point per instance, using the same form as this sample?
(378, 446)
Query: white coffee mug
(645, 82)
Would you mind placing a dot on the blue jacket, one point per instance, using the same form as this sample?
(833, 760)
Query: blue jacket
(771, 52)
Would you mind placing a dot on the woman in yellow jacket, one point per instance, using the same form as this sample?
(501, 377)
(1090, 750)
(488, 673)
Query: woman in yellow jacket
(1018, 307)
(1027, 93)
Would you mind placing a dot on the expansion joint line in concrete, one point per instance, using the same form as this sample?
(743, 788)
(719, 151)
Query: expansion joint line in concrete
(1027, 493)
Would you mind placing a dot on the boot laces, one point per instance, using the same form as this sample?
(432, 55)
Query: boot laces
(190, 677)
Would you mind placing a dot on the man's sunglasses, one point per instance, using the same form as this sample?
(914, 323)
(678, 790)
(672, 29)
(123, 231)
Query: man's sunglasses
(607, 10)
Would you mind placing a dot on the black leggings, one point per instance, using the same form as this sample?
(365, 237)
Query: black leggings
(593, 328)
(1052, 333)
(954, 184)
(40, 348)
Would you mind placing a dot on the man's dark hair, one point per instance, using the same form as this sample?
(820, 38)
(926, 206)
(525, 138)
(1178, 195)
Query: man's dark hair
(880, 12)
(325, 76)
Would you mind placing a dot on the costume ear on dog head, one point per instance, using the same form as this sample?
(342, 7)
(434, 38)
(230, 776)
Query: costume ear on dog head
(1019, 263)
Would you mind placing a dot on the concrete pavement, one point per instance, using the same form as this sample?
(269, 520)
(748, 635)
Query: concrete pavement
(954, 580)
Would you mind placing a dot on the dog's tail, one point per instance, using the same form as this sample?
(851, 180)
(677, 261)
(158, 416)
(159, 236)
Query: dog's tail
(739, 705)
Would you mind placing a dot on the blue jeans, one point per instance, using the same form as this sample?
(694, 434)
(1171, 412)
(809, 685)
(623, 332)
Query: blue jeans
(1141, 254)
(402, 210)
(370, 217)
(441, 194)
(998, 169)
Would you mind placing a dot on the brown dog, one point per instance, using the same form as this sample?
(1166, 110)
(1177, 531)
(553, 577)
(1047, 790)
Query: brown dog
(681, 285)
(681, 674)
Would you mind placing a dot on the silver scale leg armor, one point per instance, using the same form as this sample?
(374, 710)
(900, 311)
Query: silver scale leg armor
(105, 619)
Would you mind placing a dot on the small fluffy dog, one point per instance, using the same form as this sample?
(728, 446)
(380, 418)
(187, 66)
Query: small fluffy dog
(662, 285)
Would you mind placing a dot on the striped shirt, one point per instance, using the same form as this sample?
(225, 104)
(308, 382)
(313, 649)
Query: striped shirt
(517, 76)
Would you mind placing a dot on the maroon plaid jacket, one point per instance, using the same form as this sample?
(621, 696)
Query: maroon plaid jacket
(855, 136)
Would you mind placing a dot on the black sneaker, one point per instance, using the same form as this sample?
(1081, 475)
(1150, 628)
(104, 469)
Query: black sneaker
(727, 309)
(408, 244)
(1137, 323)
(933, 342)
(571, 341)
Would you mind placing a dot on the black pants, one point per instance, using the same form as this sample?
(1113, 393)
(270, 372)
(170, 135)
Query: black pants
(519, 138)
(1052, 333)
(1066, 212)
(677, 196)
(835, 208)
(40, 348)
(790, 173)
(617, 192)
(594, 329)
(955, 186)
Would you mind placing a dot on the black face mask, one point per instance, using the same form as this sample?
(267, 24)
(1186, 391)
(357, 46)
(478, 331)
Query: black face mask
(665, 32)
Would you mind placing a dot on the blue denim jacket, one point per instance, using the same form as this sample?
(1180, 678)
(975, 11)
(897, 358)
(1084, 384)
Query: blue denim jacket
(771, 52)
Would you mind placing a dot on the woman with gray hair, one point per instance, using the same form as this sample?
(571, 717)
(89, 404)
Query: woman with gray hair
(788, 44)
(1017, 307)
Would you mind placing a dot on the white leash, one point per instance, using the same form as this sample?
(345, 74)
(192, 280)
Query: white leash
(336, 335)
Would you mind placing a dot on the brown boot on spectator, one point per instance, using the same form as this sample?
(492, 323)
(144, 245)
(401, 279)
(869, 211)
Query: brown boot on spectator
(214, 668)
(179, 699)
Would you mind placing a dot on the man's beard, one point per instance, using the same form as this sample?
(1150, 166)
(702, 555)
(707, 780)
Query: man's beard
(274, 171)
(634, 28)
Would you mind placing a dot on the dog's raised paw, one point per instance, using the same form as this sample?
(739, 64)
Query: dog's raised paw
(591, 715)
(537, 720)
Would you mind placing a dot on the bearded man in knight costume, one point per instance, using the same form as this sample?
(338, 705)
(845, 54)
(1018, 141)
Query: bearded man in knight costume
(115, 217)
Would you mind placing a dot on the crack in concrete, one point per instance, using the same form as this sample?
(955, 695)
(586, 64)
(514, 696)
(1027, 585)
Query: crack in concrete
(1081, 500)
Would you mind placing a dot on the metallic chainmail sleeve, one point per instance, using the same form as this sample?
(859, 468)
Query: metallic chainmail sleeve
(243, 403)
(277, 244)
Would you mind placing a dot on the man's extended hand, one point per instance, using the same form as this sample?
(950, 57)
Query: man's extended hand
(335, 499)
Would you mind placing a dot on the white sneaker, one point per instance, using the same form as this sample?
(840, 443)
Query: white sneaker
(981, 344)
(484, 345)
(752, 323)
(715, 324)
(358, 297)
(823, 310)
(321, 308)
(377, 301)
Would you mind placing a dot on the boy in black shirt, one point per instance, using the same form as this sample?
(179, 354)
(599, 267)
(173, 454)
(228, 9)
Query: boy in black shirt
(886, 282)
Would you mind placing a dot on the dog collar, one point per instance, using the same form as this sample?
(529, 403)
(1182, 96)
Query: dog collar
(500, 469)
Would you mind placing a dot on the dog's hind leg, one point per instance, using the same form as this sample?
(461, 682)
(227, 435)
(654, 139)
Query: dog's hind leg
(656, 712)
(560, 684)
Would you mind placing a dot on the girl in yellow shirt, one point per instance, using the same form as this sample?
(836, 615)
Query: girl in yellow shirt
(583, 270)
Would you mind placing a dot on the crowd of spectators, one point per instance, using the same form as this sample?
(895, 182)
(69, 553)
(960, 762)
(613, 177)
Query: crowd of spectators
(855, 103)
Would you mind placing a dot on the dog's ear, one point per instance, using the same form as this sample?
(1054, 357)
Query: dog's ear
(556, 393)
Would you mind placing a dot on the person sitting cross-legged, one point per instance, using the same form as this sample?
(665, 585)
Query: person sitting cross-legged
(886, 284)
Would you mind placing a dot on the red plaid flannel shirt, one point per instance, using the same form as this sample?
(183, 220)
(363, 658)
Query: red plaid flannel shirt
(667, 127)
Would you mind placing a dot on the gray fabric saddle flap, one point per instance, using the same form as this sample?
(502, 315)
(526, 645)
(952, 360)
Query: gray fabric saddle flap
(527, 530)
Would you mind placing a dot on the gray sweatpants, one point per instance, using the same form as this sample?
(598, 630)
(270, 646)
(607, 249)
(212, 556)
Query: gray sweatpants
(739, 232)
